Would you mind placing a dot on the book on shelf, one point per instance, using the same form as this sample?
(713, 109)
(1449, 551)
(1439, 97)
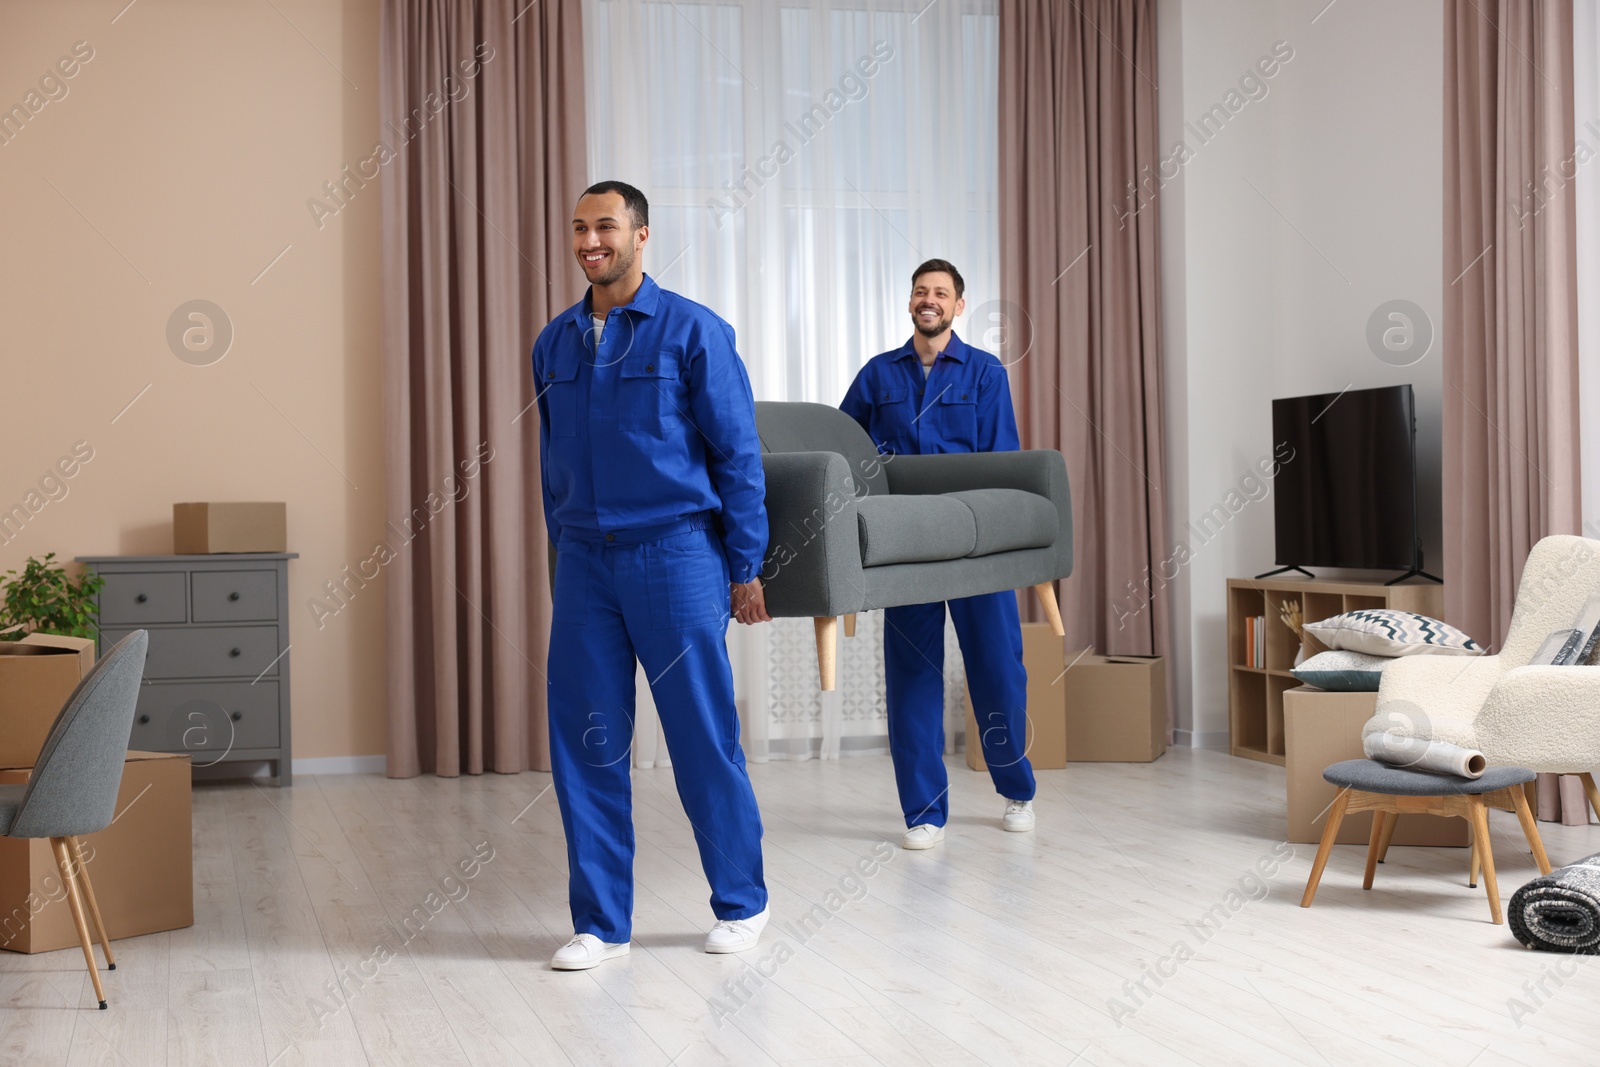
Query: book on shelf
(1256, 645)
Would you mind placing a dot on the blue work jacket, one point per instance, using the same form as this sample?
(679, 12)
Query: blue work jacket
(654, 425)
(964, 405)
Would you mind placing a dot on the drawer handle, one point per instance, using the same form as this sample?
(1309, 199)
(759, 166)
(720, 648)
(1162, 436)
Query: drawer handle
(233, 652)
(236, 716)
(140, 599)
(144, 719)
(233, 596)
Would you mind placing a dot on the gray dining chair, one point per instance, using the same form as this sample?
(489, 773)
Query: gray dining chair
(73, 788)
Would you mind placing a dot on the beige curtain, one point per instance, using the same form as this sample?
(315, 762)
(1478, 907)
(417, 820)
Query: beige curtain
(1510, 331)
(1510, 302)
(1078, 264)
(482, 105)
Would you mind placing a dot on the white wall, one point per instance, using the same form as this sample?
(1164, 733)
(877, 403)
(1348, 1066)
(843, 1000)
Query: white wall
(1282, 233)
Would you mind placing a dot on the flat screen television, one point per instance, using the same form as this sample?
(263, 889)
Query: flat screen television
(1347, 496)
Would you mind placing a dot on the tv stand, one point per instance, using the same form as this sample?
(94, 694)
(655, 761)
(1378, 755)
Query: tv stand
(1255, 691)
(1286, 570)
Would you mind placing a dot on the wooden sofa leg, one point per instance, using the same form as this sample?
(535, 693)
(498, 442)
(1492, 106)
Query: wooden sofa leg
(1046, 592)
(827, 642)
(850, 625)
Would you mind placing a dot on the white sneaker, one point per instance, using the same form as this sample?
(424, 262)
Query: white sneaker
(736, 935)
(585, 951)
(1018, 816)
(922, 835)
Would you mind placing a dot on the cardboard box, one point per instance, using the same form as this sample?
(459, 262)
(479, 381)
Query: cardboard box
(1321, 729)
(142, 865)
(200, 529)
(37, 675)
(1116, 708)
(1044, 657)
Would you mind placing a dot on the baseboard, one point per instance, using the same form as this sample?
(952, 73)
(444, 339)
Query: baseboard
(1216, 740)
(342, 765)
(318, 765)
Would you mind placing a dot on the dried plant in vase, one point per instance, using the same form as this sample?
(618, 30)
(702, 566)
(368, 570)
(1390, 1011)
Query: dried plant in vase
(1289, 612)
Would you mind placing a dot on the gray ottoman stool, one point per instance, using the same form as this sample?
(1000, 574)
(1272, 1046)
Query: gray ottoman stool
(1389, 792)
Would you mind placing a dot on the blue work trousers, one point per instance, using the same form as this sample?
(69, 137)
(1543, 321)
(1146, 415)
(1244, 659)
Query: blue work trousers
(664, 601)
(990, 633)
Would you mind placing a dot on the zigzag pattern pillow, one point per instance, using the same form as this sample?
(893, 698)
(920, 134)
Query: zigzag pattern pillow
(1381, 632)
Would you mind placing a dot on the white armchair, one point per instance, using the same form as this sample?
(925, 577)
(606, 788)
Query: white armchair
(1546, 719)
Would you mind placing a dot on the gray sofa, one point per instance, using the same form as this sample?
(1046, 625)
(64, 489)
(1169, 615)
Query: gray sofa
(852, 530)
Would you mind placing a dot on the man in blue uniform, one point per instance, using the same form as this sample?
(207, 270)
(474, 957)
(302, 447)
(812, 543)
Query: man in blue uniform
(935, 394)
(654, 497)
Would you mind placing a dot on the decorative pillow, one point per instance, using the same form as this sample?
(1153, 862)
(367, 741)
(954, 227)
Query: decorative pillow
(1343, 672)
(1381, 632)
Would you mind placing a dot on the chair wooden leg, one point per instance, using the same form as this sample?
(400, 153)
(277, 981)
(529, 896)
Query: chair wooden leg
(850, 625)
(827, 644)
(1593, 793)
(1474, 863)
(1530, 829)
(1480, 834)
(76, 848)
(1388, 835)
(1375, 845)
(1046, 592)
(1329, 832)
(64, 865)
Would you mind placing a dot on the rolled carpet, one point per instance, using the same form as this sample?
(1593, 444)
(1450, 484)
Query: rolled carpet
(1560, 911)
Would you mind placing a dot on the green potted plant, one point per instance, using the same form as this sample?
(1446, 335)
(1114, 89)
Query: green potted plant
(44, 598)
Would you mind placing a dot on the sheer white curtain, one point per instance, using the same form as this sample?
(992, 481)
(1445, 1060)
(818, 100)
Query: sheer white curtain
(800, 159)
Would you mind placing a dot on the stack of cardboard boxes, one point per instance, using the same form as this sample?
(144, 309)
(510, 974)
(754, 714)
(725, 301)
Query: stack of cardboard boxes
(141, 865)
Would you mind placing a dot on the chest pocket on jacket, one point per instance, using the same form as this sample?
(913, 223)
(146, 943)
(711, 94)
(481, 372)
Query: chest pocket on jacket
(892, 412)
(958, 417)
(648, 392)
(560, 389)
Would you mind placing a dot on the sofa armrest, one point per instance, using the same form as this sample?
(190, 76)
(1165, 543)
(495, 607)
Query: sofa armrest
(1543, 718)
(1041, 471)
(813, 560)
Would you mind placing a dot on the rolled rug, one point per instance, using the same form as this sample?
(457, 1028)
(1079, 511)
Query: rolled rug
(1560, 911)
(1421, 755)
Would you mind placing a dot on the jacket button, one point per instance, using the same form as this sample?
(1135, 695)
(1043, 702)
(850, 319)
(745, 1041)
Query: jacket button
(649, 368)
(611, 537)
(550, 374)
(963, 396)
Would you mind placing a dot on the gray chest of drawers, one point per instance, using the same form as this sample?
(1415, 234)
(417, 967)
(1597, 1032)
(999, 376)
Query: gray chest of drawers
(216, 680)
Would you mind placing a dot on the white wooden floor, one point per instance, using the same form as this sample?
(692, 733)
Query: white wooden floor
(995, 948)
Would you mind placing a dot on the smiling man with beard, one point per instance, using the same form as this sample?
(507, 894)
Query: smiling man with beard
(935, 394)
(655, 498)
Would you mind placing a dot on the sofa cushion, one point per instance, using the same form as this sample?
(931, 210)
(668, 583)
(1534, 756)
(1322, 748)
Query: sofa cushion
(1009, 519)
(914, 529)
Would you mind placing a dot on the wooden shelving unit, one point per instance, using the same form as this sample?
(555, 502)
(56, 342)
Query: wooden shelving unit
(1255, 694)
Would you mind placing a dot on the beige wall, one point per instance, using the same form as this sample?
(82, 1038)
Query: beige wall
(176, 167)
